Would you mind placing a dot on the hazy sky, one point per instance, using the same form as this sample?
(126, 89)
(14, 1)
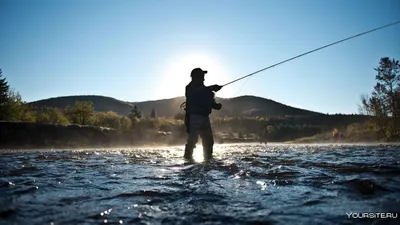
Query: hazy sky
(136, 50)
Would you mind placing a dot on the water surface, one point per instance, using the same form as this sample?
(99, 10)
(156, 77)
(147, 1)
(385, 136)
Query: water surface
(243, 184)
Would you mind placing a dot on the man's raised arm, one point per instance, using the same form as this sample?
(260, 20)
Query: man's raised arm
(215, 87)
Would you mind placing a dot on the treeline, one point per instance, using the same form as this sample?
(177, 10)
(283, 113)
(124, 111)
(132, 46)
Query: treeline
(14, 109)
(284, 128)
(82, 113)
(384, 102)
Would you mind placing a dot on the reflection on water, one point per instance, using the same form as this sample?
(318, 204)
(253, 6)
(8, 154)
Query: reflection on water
(243, 184)
(198, 154)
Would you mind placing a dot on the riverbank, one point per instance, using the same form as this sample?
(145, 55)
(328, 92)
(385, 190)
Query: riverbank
(27, 135)
(355, 133)
(34, 135)
(327, 138)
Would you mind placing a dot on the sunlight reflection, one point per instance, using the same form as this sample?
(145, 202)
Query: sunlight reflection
(198, 153)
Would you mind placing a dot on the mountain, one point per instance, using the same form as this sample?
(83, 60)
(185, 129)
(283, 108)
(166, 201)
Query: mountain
(100, 103)
(238, 106)
(257, 106)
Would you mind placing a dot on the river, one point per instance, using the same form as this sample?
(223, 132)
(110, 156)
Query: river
(243, 184)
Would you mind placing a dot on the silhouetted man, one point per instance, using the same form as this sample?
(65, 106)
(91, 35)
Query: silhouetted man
(199, 103)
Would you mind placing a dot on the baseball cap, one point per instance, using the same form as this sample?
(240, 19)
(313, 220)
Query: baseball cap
(197, 72)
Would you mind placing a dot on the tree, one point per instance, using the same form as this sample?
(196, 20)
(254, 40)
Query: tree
(81, 113)
(134, 116)
(384, 101)
(43, 117)
(135, 113)
(108, 119)
(17, 109)
(85, 111)
(153, 114)
(125, 123)
(12, 108)
(4, 99)
(56, 116)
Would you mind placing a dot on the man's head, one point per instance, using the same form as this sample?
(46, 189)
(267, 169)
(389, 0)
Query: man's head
(197, 74)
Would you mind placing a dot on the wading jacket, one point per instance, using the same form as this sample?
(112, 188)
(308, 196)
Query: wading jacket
(199, 99)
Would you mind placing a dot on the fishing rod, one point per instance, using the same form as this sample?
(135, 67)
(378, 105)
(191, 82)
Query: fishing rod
(314, 50)
(183, 105)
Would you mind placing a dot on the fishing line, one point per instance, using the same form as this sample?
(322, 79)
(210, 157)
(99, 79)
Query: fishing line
(314, 50)
(242, 86)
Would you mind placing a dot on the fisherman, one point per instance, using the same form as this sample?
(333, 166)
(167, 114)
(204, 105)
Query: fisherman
(199, 103)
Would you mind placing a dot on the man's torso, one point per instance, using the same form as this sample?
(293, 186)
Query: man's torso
(199, 99)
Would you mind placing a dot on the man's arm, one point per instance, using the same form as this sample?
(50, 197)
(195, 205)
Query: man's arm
(215, 87)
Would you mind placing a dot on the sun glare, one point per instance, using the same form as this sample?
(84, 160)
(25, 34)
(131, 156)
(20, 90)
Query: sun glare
(198, 153)
(177, 74)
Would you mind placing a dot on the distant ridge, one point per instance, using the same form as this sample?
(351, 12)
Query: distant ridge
(100, 103)
(247, 105)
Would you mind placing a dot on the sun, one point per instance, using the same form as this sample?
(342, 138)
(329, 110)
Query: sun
(176, 75)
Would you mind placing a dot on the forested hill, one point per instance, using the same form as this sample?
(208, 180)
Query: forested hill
(239, 106)
(100, 103)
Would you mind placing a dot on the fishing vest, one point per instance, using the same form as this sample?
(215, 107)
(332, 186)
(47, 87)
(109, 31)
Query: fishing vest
(199, 100)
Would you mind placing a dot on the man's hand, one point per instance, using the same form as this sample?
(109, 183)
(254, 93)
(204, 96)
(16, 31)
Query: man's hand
(215, 87)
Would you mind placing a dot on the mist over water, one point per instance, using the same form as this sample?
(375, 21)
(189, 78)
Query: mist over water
(243, 184)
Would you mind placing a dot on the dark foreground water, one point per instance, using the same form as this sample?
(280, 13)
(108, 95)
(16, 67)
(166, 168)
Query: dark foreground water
(244, 184)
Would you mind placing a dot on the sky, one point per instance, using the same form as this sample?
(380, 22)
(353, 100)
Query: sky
(144, 50)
